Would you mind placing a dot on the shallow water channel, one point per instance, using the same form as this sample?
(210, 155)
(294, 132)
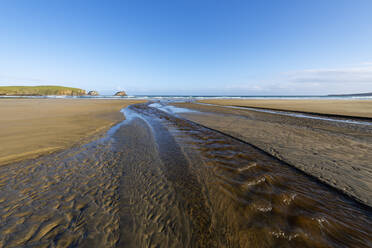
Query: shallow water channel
(157, 180)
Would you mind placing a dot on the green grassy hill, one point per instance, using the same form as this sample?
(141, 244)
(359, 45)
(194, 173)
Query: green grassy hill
(40, 91)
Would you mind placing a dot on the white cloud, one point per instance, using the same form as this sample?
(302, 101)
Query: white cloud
(354, 79)
(362, 74)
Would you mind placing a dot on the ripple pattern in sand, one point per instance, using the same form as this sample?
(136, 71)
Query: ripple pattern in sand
(256, 200)
(61, 200)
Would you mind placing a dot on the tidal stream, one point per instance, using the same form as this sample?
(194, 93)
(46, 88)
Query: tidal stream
(158, 180)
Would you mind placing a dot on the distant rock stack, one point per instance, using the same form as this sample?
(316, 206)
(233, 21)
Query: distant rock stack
(120, 93)
(93, 93)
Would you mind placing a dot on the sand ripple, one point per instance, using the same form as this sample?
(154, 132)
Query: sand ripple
(64, 199)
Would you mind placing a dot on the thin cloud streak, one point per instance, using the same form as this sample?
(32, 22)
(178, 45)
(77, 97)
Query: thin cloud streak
(361, 74)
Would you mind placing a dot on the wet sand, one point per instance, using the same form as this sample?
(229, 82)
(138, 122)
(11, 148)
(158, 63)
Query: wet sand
(335, 152)
(354, 108)
(30, 127)
(157, 180)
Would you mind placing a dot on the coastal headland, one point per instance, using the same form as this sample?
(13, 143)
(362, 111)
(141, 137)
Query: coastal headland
(44, 90)
(49, 90)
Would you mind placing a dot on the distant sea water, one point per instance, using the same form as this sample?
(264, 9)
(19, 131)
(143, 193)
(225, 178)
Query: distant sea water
(196, 97)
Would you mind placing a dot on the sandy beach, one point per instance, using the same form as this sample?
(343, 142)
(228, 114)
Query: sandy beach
(160, 179)
(30, 127)
(353, 108)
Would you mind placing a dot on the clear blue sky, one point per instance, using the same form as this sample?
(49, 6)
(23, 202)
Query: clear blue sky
(189, 47)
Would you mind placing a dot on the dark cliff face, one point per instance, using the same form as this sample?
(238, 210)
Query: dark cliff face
(120, 93)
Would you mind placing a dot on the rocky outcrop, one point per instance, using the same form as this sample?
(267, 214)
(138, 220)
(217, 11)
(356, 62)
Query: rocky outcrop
(93, 93)
(120, 93)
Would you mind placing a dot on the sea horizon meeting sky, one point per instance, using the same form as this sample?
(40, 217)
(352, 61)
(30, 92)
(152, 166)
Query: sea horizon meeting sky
(205, 47)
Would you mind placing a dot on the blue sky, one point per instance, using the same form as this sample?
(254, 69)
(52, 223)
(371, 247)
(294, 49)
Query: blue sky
(189, 47)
